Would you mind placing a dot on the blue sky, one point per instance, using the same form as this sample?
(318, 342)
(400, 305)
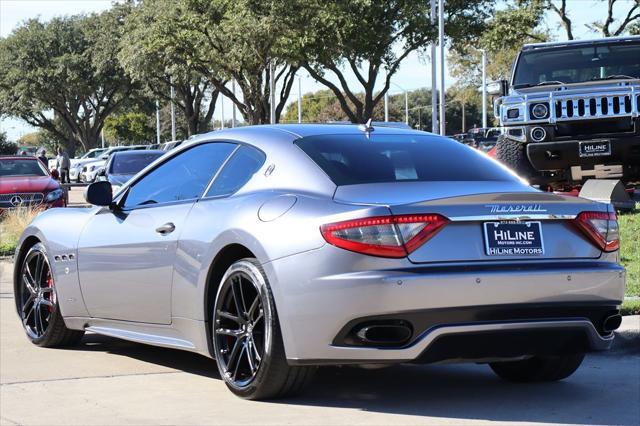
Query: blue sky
(415, 72)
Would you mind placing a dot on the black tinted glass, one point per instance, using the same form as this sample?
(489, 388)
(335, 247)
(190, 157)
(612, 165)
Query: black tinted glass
(183, 177)
(238, 170)
(577, 64)
(356, 159)
(131, 164)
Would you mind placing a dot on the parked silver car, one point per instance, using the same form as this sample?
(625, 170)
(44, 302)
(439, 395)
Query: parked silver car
(276, 249)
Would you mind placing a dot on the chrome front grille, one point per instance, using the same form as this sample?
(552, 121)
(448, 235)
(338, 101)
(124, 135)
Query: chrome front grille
(21, 199)
(596, 107)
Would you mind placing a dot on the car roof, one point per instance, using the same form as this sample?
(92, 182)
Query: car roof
(597, 41)
(129, 153)
(18, 157)
(275, 136)
(297, 131)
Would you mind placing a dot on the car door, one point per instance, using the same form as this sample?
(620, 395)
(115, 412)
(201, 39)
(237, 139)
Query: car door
(126, 254)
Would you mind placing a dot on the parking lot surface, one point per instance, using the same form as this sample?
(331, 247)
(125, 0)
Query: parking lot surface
(109, 381)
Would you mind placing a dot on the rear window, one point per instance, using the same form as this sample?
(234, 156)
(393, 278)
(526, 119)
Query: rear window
(131, 164)
(356, 159)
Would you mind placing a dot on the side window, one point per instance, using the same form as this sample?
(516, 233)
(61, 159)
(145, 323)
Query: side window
(238, 170)
(183, 177)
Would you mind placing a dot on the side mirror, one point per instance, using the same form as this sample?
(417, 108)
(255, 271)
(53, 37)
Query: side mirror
(101, 172)
(99, 193)
(498, 88)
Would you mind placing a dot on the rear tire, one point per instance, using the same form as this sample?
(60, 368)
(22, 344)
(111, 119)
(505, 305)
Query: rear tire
(246, 336)
(538, 368)
(37, 303)
(514, 154)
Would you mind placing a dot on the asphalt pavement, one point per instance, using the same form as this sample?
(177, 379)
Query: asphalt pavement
(109, 381)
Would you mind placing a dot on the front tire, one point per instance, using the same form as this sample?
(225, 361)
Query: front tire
(538, 368)
(246, 337)
(37, 303)
(514, 154)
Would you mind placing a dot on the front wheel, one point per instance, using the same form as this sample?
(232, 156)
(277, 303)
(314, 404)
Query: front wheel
(37, 302)
(538, 368)
(246, 337)
(514, 154)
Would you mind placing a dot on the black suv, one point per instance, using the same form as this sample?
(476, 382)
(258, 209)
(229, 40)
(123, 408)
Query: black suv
(571, 112)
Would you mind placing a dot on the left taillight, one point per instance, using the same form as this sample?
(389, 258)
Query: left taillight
(601, 228)
(384, 236)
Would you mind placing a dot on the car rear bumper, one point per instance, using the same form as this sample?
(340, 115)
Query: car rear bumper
(559, 300)
(562, 155)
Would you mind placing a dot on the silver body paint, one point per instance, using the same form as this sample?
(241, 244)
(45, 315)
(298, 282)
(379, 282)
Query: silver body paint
(123, 279)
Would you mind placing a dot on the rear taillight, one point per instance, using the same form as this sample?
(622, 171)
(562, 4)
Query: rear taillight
(385, 236)
(601, 228)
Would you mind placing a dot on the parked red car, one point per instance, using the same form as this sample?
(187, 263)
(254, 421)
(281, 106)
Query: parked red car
(25, 181)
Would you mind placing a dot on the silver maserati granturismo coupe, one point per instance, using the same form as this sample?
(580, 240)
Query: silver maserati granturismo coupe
(277, 249)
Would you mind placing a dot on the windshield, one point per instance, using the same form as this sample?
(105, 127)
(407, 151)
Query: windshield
(356, 159)
(93, 153)
(132, 163)
(22, 167)
(577, 64)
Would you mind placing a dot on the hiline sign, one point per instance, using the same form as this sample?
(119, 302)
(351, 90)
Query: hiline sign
(516, 208)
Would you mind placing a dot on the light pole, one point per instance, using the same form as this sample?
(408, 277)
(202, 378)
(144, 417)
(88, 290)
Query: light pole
(484, 85)
(157, 122)
(272, 94)
(406, 103)
(434, 76)
(173, 115)
(233, 111)
(222, 111)
(299, 99)
(484, 88)
(441, 42)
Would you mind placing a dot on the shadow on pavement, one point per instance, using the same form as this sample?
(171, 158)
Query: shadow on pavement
(463, 391)
(180, 360)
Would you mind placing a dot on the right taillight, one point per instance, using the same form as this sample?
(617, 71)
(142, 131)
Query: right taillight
(601, 228)
(384, 236)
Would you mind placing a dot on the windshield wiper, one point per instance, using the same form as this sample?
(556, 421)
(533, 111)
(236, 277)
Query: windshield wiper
(615, 77)
(542, 83)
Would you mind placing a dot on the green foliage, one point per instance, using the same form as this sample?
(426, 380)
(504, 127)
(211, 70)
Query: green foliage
(630, 307)
(630, 250)
(322, 106)
(69, 66)
(7, 147)
(368, 38)
(32, 139)
(148, 58)
(130, 128)
(221, 40)
(505, 34)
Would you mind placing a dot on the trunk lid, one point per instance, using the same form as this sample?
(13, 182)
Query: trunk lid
(485, 215)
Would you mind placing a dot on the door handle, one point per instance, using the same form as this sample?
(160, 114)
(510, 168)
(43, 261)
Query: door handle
(165, 229)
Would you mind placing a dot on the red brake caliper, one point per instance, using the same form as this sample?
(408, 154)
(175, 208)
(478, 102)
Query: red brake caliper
(51, 293)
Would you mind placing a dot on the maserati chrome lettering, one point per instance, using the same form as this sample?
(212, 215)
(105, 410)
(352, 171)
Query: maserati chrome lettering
(519, 208)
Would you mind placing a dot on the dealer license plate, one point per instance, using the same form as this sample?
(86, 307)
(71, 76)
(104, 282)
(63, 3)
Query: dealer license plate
(513, 239)
(595, 148)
